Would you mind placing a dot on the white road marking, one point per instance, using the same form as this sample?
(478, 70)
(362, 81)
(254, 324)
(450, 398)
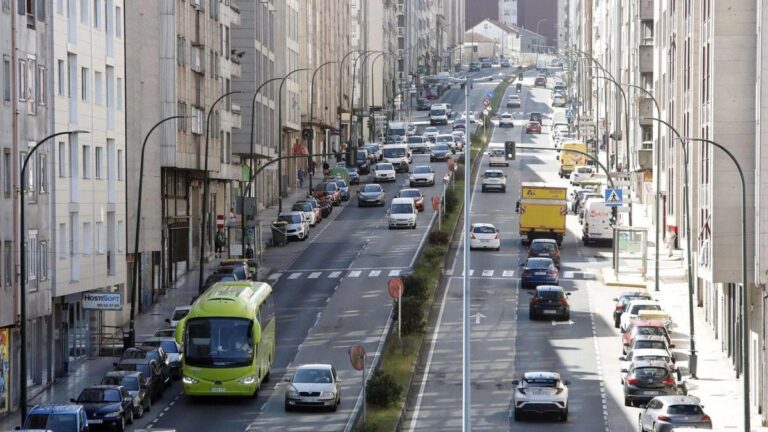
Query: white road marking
(314, 275)
(274, 276)
(374, 273)
(487, 273)
(508, 273)
(394, 273)
(568, 274)
(294, 276)
(334, 275)
(354, 274)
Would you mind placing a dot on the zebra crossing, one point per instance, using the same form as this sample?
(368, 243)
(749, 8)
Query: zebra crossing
(375, 273)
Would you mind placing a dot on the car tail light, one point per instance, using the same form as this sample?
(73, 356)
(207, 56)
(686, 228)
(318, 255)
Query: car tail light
(632, 381)
(564, 301)
(619, 308)
(663, 418)
(472, 236)
(496, 236)
(552, 273)
(669, 381)
(535, 300)
(705, 418)
(522, 391)
(558, 391)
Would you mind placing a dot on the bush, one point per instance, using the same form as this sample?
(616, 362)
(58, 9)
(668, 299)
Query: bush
(452, 198)
(413, 315)
(434, 254)
(459, 172)
(382, 389)
(438, 238)
(415, 286)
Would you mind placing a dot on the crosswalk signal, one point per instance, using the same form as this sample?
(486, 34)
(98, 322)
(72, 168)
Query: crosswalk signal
(509, 150)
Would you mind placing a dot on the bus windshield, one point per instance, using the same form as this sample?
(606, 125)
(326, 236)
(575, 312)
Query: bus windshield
(219, 342)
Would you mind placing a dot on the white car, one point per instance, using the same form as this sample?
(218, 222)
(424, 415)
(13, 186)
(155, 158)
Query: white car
(558, 101)
(297, 224)
(484, 236)
(313, 386)
(309, 211)
(494, 179)
(178, 314)
(422, 175)
(506, 120)
(513, 101)
(581, 173)
(431, 132)
(541, 393)
(644, 354)
(446, 139)
(383, 172)
(633, 309)
(402, 213)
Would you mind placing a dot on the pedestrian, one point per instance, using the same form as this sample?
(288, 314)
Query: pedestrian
(220, 241)
(301, 178)
(670, 241)
(312, 168)
(326, 168)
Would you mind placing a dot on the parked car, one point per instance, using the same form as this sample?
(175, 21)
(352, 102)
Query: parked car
(324, 205)
(415, 194)
(484, 236)
(297, 224)
(383, 172)
(545, 248)
(343, 188)
(533, 127)
(549, 301)
(107, 405)
(171, 348)
(422, 175)
(179, 312)
(539, 271)
(363, 161)
(152, 353)
(646, 380)
(541, 393)
(671, 413)
(237, 267)
(423, 104)
(354, 176)
(647, 354)
(209, 281)
(151, 371)
(633, 309)
(313, 214)
(649, 342)
(623, 300)
(644, 328)
(581, 173)
(136, 385)
(57, 417)
(370, 194)
(330, 189)
(313, 386)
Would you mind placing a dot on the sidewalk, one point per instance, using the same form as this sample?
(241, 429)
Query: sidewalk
(91, 371)
(716, 383)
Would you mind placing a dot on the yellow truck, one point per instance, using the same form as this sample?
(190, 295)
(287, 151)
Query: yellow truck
(542, 210)
(569, 160)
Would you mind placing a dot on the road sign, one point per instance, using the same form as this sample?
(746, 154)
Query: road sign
(395, 287)
(306, 134)
(436, 202)
(614, 197)
(357, 357)
(489, 95)
(486, 101)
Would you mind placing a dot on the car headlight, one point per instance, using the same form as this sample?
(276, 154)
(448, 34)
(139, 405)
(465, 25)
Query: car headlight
(248, 380)
(328, 394)
(113, 414)
(189, 380)
(392, 220)
(292, 392)
(412, 178)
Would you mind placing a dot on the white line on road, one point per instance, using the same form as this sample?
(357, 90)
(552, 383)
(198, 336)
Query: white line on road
(394, 273)
(294, 276)
(334, 275)
(314, 275)
(374, 273)
(354, 274)
(508, 273)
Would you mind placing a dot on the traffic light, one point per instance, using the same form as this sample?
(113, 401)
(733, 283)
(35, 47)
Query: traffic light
(509, 150)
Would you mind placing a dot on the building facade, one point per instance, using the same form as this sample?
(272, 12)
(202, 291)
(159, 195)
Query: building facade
(508, 12)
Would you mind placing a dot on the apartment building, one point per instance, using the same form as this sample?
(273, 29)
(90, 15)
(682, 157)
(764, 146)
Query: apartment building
(508, 12)
(181, 63)
(26, 117)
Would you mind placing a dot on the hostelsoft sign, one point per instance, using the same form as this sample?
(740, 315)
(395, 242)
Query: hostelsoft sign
(102, 301)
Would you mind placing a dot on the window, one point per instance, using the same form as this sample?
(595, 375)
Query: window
(32, 255)
(96, 14)
(120, 165)
(98, 83)
(8, 261)
(87, 238)
(43, 267)
(99, 232)
(42, 86)
(119, 98)
(118, 22)
(40, 10)
(43, 172)
(62, 241)
(7, 166)
(62, 159)
(6, 6)
(6, 78)
(84, 12)
(86, 162)
(120, 236)
(27, 7)
(22, 80)
(60, 80)
(99, 156)
(31, 81)
(60, 7)
(85, 78)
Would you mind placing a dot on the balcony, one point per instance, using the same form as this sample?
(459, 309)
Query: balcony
(645, 58)
(646, 109)
(646, 9)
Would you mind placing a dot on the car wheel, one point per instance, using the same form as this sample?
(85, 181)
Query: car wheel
(564, 415)
(482, 189)
(640, 423)
(504, 189)
(148, 408)
(531, 316)
(120, 427)
(139, 411)
(130, 416)
(306, 236)
(518, 415)
(627, 402)
(616, 323)
(287, 407)
(414, 226)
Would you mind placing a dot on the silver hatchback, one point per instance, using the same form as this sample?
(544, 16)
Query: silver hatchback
(313, 386)
(669, 413)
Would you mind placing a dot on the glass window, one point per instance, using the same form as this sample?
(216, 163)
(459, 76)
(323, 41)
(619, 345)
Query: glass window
(99, 161)
(31, 256)
(84, 9)
(62, 159)
(87, 238)
(43, 172)
(85, 85)
(22, 80)
(98, 84)
(8, 263)
(7, 172)
(120, 165)
(60, 81)
(86, 162)
(118, 22)
(96, 14)
(42, 86)
(6, 78)
(43, 273)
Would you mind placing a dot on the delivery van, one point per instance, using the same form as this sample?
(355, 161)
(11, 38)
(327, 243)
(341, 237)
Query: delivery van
(496, 154)
(597, 222)
(569, 160)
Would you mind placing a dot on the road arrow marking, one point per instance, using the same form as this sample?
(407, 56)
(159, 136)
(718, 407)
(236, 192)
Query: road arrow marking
(556, 323)
(477, 317)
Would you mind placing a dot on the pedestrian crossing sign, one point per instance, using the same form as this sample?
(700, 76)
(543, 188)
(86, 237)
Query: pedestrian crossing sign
(614, 197)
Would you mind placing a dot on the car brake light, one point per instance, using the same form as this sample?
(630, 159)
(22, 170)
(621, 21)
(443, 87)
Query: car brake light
(632, 381)
(669, 381)
(522, 391)
(472, 236)
(619, 308)
(705, 418)
(564, 301)
(534, 300)
(552, 273)
(663, 418)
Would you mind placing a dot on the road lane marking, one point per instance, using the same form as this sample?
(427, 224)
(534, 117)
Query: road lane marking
(374, 273)
(294, 276)
(508, 273)
(488, 273)
(394, 273)
(314, 275)
(334, 275)
(274, 276)
(354, 274)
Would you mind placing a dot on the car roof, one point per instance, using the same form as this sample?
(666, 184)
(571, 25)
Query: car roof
(643, 302)
(534, 259)
(314, 366)
(634, 294)
(402, 200)
(482, 224)
(493, 170)
(543, 241)
(293, 213)
(135, 361)
(55, 408)
(158, 339)
(649, 352)
(541, 375)
(650, 338)
(123, 373)
(409, 190)
(102, 386)
(647, 323)
(185, 307)
(550, 288)
(679, 400)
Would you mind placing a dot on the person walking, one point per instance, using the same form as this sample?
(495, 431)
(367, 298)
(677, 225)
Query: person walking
(220, 241)
(301, 178)
(670, 241)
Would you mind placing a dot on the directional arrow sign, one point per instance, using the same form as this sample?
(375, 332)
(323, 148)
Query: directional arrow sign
(477, 318)
(614, 197)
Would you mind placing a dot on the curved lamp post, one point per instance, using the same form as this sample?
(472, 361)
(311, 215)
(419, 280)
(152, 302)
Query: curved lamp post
(205, 185)
(692, 362)
(23, 275)
(352, 99)
(280, 139)
(341, 87)
(312, 118)
(371, 119)
(134, 282)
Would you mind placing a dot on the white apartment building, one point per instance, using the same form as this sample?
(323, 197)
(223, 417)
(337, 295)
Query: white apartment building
(508, 12)
(89, 223)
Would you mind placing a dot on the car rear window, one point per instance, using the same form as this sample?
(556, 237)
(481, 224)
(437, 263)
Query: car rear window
(422, 170)
(650, 344)
(494, 174)
(638, 308)
(650, 372)
(371, 188)
(330, 187)
(684, 410)
(550, 295)
(651, 331)
(484, 230)
(543, 247)
(539, 263)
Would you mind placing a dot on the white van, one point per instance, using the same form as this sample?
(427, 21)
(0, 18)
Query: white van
(402, 213)
(496, 155)
(399, 155)
(438, 114)
(596, 225)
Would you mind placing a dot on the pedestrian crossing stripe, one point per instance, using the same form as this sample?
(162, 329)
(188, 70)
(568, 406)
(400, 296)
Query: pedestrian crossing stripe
(354, 274)
(314, 275)
(334, 275)
(508, 273)
(394, 273)
(486, 273)
(294, 276)
(374, 273)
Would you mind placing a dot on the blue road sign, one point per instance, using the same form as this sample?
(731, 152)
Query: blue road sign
(489, 95)
(569, 113)
(614, 197)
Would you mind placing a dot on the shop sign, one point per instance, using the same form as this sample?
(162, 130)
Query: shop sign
(5, 372)
(102, 301)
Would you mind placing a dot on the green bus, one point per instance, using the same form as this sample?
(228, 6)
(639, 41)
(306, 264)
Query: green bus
(228, 340)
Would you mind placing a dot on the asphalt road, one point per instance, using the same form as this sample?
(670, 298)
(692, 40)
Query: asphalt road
(333, 296)
(505, 343)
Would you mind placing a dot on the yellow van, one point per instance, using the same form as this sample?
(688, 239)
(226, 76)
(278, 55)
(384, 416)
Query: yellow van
(569, 160)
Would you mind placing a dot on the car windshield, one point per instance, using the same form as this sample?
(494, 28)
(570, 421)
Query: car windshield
(179, 314)
(218, 342)
(542, 382)
(52, 422)
(290, 218)
(539, 263)
(371, 188)
(628, 299)
(484, 229)
(650, 372)
(384, 167)
(430, 129)
(422, 170)
(361, 155)
(312, 376)
(650, 344)
(396, 131)
(497, 153)
(352, 170)
(305, 207)
(411, 193)
(584, 170)
(393, 152)
(402, 209)
(415, 140)
(134, 353)
(506, 116)
(330, 187)
(341, 184)
(130, 383)
(441, 147)
(437, 112)
(638, 308)
(650, 331)
(168, 346)
(99, 395)
(493, 174)
(684, 410)
(542, 247)
(652, 358)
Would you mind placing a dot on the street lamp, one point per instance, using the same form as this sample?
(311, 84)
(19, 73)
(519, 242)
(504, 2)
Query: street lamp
(132, 316)
(745, 289)
(538, 38)
(312, 118)
(692, 356)
(341, 86)
(352, 104)
(372, 119)
(23, 275)
(205, 184)
(280, 139)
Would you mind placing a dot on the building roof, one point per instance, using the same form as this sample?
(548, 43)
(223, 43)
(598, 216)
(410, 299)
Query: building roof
(503, 26)
(472, 37)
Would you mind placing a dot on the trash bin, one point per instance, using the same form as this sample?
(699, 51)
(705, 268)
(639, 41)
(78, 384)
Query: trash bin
(279, 233)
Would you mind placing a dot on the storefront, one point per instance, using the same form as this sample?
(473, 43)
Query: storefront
(5, 370)
(72, 335)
